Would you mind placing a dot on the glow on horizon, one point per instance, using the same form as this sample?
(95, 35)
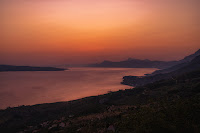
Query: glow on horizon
(84, 31)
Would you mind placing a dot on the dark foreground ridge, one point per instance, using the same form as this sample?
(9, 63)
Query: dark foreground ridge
(4, 68)
(170, 105)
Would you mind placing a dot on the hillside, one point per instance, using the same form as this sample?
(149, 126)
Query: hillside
(170, 105)
(190, 57)
(180, 69)
(180, 64)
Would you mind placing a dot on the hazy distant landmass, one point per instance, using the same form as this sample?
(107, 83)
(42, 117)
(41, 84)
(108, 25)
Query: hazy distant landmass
(4, 68)
(137, 63)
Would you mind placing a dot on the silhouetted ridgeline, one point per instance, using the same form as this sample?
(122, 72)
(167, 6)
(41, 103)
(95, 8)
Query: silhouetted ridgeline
(180, 64)
(173, 71)
(28, 68)
(137, 63)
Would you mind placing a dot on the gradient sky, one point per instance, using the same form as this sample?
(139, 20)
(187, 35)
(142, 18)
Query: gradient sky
(43, 32)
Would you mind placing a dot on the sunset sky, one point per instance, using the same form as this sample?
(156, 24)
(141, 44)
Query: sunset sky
(44, 32)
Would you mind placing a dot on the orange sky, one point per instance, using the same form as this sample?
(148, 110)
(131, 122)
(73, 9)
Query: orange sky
(42, 32)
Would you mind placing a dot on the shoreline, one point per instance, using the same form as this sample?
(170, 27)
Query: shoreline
(78, 99)
(65, 84)
(112, 109)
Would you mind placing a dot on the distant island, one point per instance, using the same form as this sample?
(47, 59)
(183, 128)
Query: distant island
(4, 68)
(138, 63)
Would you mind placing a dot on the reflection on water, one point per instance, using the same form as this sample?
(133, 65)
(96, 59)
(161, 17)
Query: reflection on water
(28, 88)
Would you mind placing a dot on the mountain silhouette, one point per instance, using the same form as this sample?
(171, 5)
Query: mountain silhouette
(180, 69)
(179, 65)
(137, 63)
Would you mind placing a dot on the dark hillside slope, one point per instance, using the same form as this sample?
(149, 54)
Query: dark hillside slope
(190, 57)
(179, 65)
(139, 81)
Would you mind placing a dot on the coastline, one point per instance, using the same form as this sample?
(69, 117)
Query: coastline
(30, 88)
(102, 107)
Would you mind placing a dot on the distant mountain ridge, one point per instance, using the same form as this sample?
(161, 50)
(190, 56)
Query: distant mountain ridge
(4, 68)
(137, 63)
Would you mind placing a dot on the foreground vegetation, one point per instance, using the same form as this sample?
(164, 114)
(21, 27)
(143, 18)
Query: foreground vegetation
(170, 105)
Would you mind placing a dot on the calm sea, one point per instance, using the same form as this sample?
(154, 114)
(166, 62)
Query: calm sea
(28, 88)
